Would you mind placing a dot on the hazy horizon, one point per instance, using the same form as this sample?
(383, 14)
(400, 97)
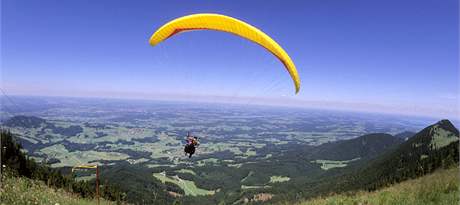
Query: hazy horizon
(222, 100)
(364, 56)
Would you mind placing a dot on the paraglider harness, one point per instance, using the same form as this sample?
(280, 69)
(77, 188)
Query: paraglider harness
(192, 143)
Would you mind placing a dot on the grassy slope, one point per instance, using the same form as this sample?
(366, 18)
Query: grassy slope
(21, 190)
(441, 187)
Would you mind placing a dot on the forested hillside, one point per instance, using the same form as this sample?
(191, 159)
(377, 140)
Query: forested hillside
(441, 187)
(366, 146)
(33, 176)
(433, 148)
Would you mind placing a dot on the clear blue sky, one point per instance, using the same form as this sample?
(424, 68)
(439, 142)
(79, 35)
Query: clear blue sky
(400, 55)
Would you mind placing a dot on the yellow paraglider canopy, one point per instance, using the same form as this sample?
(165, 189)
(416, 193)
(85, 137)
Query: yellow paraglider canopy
(227, 24)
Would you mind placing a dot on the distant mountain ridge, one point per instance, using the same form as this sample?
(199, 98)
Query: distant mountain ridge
(37, 122)
(25, 121)
(366, 146)
(434, 147)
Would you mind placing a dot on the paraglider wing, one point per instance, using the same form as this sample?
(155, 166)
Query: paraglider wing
(226, 24)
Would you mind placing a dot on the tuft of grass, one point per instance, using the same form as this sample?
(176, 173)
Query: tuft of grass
(21, 190)
(441, 187)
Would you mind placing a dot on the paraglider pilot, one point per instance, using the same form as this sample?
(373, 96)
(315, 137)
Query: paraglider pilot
(191, 143)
